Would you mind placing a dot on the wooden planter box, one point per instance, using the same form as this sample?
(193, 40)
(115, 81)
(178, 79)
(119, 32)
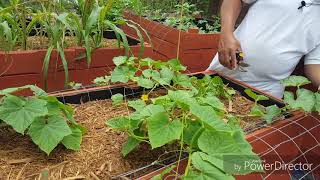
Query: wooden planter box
(19, 68)
(292, 140)
(196, 50)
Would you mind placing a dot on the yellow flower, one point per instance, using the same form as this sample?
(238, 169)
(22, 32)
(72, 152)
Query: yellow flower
(145, 97)
(241, 54)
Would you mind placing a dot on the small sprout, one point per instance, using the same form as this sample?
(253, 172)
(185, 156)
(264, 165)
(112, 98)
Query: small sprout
(102, 81)
(145, 97)
(75, 85)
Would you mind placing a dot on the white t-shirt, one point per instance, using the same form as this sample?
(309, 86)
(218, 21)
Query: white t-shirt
(274, 36)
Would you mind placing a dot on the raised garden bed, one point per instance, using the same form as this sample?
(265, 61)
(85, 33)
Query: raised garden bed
(196, 50)
(26, 67)
(291, 141)
(100, 152)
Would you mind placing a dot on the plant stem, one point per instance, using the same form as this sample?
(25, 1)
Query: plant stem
(188, 165)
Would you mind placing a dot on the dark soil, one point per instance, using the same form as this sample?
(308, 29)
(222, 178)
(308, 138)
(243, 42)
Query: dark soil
(100, 155)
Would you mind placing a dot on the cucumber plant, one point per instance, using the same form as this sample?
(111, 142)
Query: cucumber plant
(190, 114)
(303, 98)
(268, 113)
(47, 121)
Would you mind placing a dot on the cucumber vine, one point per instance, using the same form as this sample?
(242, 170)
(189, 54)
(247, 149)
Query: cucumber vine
(191, 113)
(46, 120)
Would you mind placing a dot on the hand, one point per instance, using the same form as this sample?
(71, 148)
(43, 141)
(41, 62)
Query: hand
(228, 46)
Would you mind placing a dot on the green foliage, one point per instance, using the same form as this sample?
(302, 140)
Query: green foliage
(162, 131)
(254, 96)
(184, 16)
(117, 99)
(102, 81)
(303, 99)
(271, 112)
(54, 20)
(47, 121)
(191, 113)
(75, 85)
(295, 81)
(8, 37)
(267, 113)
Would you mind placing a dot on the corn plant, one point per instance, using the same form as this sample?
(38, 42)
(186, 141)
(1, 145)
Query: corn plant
(55, 28)
(90, 23)
(8, 37)
(16, 14)
(85, 19)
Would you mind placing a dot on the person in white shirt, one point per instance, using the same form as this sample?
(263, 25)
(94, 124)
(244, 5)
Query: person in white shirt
(274, 36)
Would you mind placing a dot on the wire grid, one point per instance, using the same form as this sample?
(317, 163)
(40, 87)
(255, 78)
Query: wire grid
(272, 148)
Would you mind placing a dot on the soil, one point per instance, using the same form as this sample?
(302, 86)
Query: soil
(100, 155)
(242, 106)
(41, 42)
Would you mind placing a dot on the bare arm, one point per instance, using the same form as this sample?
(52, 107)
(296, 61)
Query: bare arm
(313, 73)
(228, 45)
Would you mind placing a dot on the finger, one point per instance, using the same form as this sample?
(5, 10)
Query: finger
(233, 59)
(227, 59)
(221, 58)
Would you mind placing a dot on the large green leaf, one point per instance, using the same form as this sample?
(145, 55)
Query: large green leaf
(162, 131)
(117, 99)
(182, 80)
(138, 105)
(122, 74)
(146, 83)
(48, 132)
(176, 65)
(130, 145)
(255, 96)
(121, 123)
(73, 141)
(295, 81)
(152, 109)
(119, 60)
(183, 98)
(317, 106)
(190, 131)
(20, 113)
(166, 76)
(271, 112)
(149, 73)
(305, 100)
(213, 101)
(214, 141)
(257, 111)
(208, 115)
(205, 170)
